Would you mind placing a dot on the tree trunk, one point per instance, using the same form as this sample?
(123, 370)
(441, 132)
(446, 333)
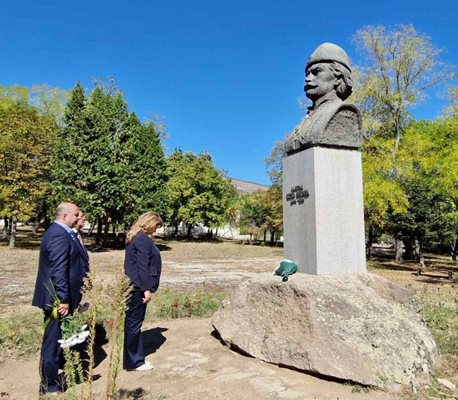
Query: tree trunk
(46, 220)
(13, 233)
(5, 228)
(369, 242)
(98, 235)
(272, 237)
(421, 260)
(454, 249)
(106, 231)
(36, 226)
(409, 245)
(418, 250)
(265, 237)
(189, 231)
(398, 250)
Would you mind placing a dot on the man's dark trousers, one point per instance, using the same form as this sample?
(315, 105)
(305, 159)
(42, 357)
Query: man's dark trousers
(133, 342)
(51, 353)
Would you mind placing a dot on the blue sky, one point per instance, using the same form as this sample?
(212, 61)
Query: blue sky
(226, 76)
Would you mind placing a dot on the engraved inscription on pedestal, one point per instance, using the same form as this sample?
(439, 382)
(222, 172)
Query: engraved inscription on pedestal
(297, 195)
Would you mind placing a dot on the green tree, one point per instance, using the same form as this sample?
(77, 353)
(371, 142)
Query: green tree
(274, 163)
(262, 212)
(49, 101)
(400, 65)
(440, 165)
(197, 191)
(107, 161)
(12, 95)
(254, 214)
(446, 168)
(26, 138)
(70, 164)
(106, 111)
(427, 175)
(274, 196)
(144, 178)
(452, 109)
(274, 199)
(425, 223)
(383, 195)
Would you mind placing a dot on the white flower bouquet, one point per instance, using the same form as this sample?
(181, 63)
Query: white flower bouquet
(72, 332)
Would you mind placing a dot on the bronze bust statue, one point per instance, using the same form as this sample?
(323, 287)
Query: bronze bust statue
(329, 122)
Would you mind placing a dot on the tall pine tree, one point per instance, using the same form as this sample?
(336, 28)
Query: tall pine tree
(69, 161)
(107, 161)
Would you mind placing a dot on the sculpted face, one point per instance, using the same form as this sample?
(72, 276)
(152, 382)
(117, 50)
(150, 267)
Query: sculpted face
(319, 81)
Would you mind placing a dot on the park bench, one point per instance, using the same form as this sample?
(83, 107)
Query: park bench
(422, 267)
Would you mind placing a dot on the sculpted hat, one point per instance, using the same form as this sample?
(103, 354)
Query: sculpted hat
(328, 52)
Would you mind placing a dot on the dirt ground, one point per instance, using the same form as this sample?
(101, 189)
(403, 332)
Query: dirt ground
(191, 265)
(190, 363)
(185, 265)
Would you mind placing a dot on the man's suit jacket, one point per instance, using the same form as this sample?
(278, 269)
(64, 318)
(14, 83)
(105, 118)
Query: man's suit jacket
(62, 267)
(142, 263)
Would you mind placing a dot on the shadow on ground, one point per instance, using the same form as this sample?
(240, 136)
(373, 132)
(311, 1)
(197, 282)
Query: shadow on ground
(135, 394)
(153, 339)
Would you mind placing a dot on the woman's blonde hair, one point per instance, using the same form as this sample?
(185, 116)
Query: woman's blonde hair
(143, 223)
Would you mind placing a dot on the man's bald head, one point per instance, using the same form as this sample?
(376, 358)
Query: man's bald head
(68, 214)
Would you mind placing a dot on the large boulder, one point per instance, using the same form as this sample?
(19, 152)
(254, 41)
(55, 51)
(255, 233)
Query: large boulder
(356, 327)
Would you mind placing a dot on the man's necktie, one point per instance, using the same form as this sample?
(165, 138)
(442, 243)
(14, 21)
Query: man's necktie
(78, 236)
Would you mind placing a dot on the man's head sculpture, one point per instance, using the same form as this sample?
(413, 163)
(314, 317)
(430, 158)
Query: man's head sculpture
(328, 73)
(330, 121)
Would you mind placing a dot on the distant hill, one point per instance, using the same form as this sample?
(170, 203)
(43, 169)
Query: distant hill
(245, 187)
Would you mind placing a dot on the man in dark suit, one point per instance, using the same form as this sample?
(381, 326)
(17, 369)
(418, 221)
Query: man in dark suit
(62, 268)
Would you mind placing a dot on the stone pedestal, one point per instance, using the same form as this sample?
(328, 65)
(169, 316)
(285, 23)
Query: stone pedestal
(323, 211)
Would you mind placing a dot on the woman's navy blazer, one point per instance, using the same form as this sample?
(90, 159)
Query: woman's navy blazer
(143, 263)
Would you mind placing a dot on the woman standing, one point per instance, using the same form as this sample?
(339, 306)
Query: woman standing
(142, 265)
